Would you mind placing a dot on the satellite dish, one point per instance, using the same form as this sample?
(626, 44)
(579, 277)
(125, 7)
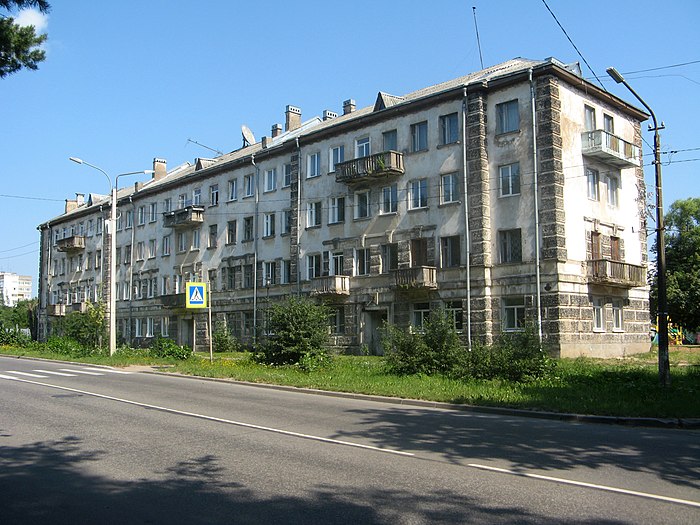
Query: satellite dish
(248, 137)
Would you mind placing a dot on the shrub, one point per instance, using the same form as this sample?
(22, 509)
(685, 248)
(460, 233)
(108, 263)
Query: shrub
(297, 335)
(86, 328)
(167, 348)
(14, 338)
(223, 341)
(71, 348)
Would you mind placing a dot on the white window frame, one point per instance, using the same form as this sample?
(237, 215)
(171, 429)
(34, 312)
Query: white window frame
(196, 238)
(152, 248)
(362, 204)
(390, 199)
(363, 147)
(509, 179)
(507, 117)
(618, 318)
(153, 212)
(612, 183)
(248, 185)
(233, 190)
(166, 245)
(271, 179)
(313, 263)
(336, 210)
(513, 313)
(362, 261)
(593, 184)
(449, 129)
(598, 305)
(313, 165)
(269, 224)
(313, 214)
(336, 155)
(450, 188)
(418, 194)
(419, 136)
(287, 175)
(214, 195)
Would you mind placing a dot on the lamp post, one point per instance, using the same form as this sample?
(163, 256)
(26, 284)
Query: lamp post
(664, 368)
(112, 248)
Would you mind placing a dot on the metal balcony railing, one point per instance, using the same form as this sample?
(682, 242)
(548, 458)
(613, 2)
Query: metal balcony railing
(609, 148)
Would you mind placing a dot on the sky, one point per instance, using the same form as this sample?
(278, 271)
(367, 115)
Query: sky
(126, 81)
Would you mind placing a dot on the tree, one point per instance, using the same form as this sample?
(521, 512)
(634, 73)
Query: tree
(682, 263)
(19, 45)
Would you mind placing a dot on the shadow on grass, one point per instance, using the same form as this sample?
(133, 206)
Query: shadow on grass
(50, 482)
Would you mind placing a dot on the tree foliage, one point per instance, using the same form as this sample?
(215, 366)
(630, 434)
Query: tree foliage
(19, 45)
(87, 328)
(682, 263)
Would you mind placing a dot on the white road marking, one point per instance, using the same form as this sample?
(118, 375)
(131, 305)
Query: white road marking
(24, 374)
(109, 370)
(587, 485)
(81, 372)
(51, 372)
(216, 419)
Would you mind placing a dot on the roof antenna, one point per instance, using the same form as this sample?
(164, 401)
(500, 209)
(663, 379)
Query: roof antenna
(207, 147)
(478, 40)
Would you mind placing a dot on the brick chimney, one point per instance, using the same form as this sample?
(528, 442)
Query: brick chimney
(276, 130)
(160, 168)
(328, 114)
(348, 106)
(71, 205)
(292, 118)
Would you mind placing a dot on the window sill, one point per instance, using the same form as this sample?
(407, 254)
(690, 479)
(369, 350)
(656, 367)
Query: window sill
(314, 227)
(273, 190)
(422, 208)
(388, 214)
(231, 200)
(417, 152)
(455, 143)
(268, 237)
(449, 204)
(214, 205)
(504, 134)
(360, 219)
(165, 255)
(509, 195)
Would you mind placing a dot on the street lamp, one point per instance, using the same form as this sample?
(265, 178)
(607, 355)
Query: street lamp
(664, 368)
(112, 230)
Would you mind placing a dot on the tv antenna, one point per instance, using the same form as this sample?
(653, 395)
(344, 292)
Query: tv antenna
(207, 147)
(478, 40)
(248, 137)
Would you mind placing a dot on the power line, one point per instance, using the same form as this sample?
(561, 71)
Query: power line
(29, 198)
(662, 67)
(19, 247)
(19, 254)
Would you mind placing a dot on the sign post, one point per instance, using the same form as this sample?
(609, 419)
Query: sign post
(195, 297)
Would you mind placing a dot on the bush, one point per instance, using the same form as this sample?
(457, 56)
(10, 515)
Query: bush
(297, 335)
(14, 338)
(86, 328)
(71, 348)
(223, 341)
(167, 348)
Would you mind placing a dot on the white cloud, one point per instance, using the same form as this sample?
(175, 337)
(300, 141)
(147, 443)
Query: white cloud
(32, 17)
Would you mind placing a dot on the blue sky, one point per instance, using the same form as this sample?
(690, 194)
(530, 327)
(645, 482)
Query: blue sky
(129, 80)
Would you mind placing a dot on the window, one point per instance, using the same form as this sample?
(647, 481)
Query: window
(589, 118)
(418, 194)
(419, 252)
(90, 228)
(617, 315)
(390, 141)
(336, 263)
(165, 284)
(286, 273)
(336, 156)
(167, 204)
(195, 238)
(595, 246)
(598, 317)
(214, 195)
(362, 148)
(453, 309)
(513, 313)
(592, 183)
(165, 326)
(507, 117)
(313, 214)
(389, 199)
(247, 276)
(197, 196)
(166, 245)
(271, 179)
(510, 246)
(138, 329)
(336, 210)
(390, 257)
(451, 254)
(287, 175)
(153, 212)
(142, 215)
(98, 259)
(286, 222)
(181, 200)
(98, 226)
(233, 189)
(362, 261)
(129, 219)
(509, 177)
(231, 232)
(608, 124)
(612, 183)
(449, 129)
(120, 224)
(336, 320)
(313, 266)
(419, 136)
(450, 188)
(152, 243)
(213, 236)
(181, 241)
(421, 313)
(362, 205)
(127, 254)
(248, 186)
(248, 229)
(269, 225)
(313, 165)
(615, 250)
(270, 273)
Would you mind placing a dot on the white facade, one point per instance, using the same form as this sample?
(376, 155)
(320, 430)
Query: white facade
(14, 288)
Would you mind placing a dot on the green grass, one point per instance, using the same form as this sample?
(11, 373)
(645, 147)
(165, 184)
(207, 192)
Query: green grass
(616, 387)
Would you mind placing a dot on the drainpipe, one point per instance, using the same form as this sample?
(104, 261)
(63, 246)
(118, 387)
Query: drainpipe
(131, 268)
(298, 203)
(467, 236)
(537, 210)
(255, 254)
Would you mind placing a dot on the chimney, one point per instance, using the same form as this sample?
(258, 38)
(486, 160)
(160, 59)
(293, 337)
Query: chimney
(266, 142)
(276, 130)
(328, 114)
(160, 168)
(348, 106)
(71, 205)
(292, 118)
(79, 199)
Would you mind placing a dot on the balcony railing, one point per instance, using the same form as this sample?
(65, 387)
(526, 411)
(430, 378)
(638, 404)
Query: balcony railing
(364, 169)
(417, 277)
(331, 285)
(183, 218)
(609, 148)
(74, 243)
(57, 310)
(78, 307)
(173, 300)
(616, 273)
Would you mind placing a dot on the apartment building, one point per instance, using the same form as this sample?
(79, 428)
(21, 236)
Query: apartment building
(512, 195)
(14, 288)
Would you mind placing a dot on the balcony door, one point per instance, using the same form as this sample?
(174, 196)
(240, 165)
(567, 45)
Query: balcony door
(419, 252)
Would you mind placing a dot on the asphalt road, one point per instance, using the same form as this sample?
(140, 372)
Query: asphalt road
(97, 446)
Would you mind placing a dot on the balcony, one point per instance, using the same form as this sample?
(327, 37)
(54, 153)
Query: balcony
(183, 218)
(74, 243)
(174, 300)
(609, 148)
(367, 169)
(331, 285)
(616, 273)
(78, 307)
(56, 310)
(417, 277)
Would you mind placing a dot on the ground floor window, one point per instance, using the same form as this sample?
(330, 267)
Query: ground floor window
(513, 313)
(421, 312)
(336, 320)
(617, 314)
(598, 314)
(454, 312)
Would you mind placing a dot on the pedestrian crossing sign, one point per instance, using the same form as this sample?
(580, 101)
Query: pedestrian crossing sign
(196, 294)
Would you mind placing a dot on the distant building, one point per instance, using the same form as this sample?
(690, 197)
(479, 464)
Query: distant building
(14, 288)
(511, 195)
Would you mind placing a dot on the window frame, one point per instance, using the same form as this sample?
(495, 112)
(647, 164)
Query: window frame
(418, 194)
(361, 201)
(513, 314)
(509, 251)
(449, 192)
(449, 129)
(390, 199)
(313, 165)
(506, 120)
(509, 173)
(419, 136)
